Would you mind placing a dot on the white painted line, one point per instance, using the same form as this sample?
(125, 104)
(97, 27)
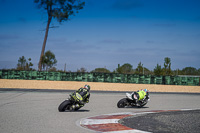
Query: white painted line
(98, 121)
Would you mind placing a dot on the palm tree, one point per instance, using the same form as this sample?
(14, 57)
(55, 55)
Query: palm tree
(167, 65)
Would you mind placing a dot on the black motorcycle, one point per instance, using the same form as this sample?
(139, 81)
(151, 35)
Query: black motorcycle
(130, 101)
(72, 103)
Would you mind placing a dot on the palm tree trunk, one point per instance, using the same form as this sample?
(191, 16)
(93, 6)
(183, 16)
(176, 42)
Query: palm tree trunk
(44, 42)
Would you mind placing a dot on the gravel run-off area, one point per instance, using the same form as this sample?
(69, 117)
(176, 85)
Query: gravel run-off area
(99, 86)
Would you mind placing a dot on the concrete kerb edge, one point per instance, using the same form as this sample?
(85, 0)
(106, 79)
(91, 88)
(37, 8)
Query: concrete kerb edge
(81, 122)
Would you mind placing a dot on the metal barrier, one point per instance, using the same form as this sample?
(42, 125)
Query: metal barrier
(101, 77)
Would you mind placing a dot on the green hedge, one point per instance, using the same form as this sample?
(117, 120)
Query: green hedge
(100, 77)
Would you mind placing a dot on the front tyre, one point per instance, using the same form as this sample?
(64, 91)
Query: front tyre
(122, 103)
(64, 105)
(142, 103)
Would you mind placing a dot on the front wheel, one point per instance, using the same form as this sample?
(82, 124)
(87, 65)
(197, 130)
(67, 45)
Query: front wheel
(142, 103)
(122, 103)
(64, 105)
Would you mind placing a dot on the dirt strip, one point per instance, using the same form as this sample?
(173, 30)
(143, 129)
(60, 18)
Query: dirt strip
(73, 85)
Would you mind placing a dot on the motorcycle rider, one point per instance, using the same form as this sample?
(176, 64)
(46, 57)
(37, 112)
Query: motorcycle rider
(140, 95)
(85, 93)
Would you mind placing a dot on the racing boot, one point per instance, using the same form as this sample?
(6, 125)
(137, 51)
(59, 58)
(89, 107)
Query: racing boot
(77, 105)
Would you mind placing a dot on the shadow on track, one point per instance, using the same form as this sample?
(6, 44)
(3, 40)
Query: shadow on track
(82, 110)
(134, 107)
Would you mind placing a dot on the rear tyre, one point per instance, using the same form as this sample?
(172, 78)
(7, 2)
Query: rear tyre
(64, 105)
(122, 103)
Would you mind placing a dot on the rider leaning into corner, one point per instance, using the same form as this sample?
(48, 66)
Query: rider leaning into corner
(140, 95)
(85, 93)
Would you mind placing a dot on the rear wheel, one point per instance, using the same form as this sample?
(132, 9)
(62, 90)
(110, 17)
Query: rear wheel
(122, 103)
(64, 105)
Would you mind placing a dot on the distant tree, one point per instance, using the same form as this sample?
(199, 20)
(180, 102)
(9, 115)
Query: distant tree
(23, 64)
(147, 71)
(82, 69)
(101, 70)
(142, 70)
(53, 69)
(177, 72)
(29, 64)
(158, 70)
(59, 9)
(190, 71)
(118, 70)
(48, 60)
(57, 70)
(139, 69)
(167, 66)
(198, 71)
(125, 69)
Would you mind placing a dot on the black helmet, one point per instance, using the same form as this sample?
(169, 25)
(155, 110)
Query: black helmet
(87, 87)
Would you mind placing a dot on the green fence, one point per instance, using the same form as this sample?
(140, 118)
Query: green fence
(101, 77)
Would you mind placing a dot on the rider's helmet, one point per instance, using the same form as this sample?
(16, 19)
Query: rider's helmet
(87, 87)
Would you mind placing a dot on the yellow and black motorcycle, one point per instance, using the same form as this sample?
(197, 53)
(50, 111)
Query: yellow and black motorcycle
(73, 103)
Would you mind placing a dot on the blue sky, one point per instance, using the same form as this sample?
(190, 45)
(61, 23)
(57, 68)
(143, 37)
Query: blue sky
(104, 34)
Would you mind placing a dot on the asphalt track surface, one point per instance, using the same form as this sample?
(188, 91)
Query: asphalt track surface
(35, 111)
(184, 121)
